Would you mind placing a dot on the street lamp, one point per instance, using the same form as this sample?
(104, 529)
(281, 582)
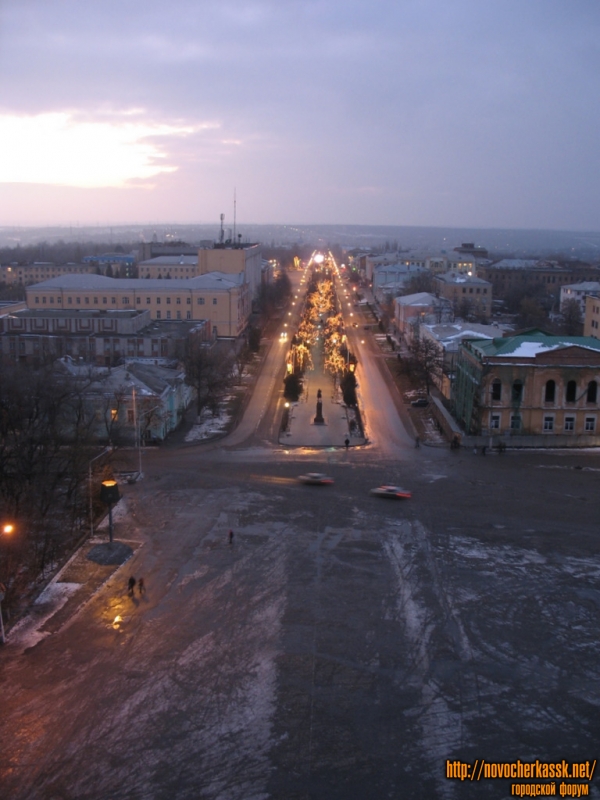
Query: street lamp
(7, 529)
(109, 494)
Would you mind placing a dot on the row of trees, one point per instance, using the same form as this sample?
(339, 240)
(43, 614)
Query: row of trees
(45, 452)
(321, 316)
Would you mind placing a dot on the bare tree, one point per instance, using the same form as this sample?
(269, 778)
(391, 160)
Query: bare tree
(572, 321)
(208, 373)
(425, 361)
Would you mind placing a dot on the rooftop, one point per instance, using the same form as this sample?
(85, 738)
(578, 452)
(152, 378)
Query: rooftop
(212, 280)
(530, 345)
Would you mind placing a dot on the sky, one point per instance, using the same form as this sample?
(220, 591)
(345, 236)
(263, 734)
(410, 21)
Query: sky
(469, 113)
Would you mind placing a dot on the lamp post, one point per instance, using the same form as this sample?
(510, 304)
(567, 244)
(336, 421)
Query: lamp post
(7, 529)
(103, 453)
(2, 636)
(109, 494)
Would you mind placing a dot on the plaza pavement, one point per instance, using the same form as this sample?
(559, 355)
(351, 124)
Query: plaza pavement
(302, 431)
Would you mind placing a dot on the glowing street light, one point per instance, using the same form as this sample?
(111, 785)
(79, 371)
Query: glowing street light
(109, 494)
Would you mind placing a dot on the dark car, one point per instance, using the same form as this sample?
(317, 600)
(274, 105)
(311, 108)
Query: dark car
(420, 403)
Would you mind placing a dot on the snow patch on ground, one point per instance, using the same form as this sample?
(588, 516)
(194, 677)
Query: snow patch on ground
(208, 425)
(27, 633)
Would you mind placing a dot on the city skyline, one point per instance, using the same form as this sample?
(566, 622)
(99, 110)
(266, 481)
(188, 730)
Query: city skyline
(309, 113)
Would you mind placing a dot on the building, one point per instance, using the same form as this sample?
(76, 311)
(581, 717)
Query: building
(227, 259)
(470, 296)
(447, 337)
(471, 249)
(412, 310)
(531, 384)
(389, 280)
(27, 274)
(578, 291)
(104, 338)
(514, 274)
(222, 299)
(131, 403)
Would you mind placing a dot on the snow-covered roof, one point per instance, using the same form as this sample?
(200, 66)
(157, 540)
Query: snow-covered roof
(211, 280)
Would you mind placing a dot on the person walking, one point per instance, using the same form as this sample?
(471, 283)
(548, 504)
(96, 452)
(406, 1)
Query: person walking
(131, 586)
(347, 443)
(230, 537)
(141, 586)
(417, 442)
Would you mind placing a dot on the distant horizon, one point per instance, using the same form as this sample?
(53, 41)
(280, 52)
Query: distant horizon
(583, 244)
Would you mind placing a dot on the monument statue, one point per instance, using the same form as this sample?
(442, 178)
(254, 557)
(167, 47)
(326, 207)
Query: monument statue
(319, 420)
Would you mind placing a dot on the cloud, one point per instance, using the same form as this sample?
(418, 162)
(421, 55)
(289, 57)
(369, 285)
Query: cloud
(57, 148)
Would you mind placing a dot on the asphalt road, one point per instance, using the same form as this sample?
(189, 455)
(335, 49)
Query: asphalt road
(344, 647)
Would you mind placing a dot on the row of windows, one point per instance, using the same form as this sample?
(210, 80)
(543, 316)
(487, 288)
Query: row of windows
(124, 301)
(549, 423)
(550, 391)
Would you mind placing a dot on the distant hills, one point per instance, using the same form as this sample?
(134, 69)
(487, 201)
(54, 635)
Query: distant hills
(521, 243)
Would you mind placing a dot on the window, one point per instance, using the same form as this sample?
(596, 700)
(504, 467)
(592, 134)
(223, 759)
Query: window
(188, 314)
(590, 424)
(44, 300)
(37, 299)
(147, 301)
(95, 301)
(497, 390)
(105, 301)
(569, 423)
(125, 301)
(188, 300)
(168, 301)
(550, 392)
(113, 301)
(592, 392)
(79, 301)
(158, 315)
(517, 391)
(158, 301)
(571, 392)
(200, 301)
(138, 300)
(179, 315)
(515, 422)
(495, 422)
(214, 301)
(548, 424)
(87, 301)
(168, 315)
(69, 300)
(178, 301)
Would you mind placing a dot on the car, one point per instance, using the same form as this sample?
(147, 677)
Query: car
(315, 479)
(420, 403)
(391, 491)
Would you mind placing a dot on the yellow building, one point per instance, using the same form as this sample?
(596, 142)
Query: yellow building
(223, 299)
(227, 259)
(532, 384)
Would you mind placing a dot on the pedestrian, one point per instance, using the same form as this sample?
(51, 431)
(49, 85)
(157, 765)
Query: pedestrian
(141, 586)
(417, 442)
(347, 442)
(230, 537)
(483, 450)
(131, 586)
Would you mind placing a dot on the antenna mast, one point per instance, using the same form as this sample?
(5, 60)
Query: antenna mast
(234, 212)
(222, 234)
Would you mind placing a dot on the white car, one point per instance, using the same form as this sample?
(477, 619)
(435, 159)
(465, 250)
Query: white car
(315, 479)
(391, 491)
